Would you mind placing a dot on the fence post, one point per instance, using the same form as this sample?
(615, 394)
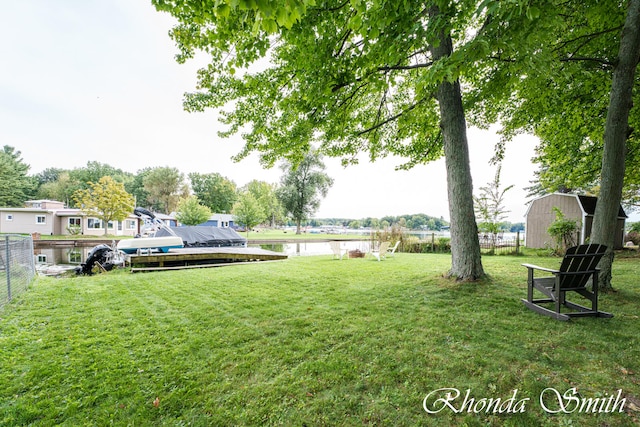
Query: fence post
(518, 242)
(7, 263)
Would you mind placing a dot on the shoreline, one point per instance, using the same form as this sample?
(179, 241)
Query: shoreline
(39, 243)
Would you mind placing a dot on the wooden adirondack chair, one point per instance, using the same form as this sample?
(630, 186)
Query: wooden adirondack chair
(577, 269)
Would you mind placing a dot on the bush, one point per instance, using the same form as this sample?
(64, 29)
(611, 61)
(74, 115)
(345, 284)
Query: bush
(564, 231)
(632, 236)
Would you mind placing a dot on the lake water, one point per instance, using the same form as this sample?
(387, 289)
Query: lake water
(71, 256)
(314, 248)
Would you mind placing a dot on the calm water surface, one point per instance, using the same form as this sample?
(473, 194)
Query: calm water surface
(74, 256)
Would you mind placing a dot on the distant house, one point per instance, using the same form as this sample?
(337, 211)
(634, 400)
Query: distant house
(540, 215)
(51, 217)
(220, 221)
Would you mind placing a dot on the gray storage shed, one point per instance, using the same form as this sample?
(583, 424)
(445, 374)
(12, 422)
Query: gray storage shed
(540, 215)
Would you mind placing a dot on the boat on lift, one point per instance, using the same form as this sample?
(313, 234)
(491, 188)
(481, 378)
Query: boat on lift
(151, 242)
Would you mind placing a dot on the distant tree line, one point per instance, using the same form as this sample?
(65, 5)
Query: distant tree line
(101, 189)
(411, 222)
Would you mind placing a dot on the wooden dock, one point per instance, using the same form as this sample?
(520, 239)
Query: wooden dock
(203, 257)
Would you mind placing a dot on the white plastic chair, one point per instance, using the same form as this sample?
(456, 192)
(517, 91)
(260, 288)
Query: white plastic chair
(338, 250)
(381, 252)
(392, 251)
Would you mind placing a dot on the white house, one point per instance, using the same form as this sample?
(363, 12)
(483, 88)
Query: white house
(220, 221)
(51, 217)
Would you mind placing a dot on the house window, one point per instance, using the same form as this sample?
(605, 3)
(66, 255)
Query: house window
(131, 224)
(110, 225)
(75, 257)
(75, 222)
(41, 259)
(41, 219)
(9, 217)
(119, 225)
(94, 223)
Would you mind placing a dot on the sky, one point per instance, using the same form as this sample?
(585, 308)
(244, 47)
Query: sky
(96, 80)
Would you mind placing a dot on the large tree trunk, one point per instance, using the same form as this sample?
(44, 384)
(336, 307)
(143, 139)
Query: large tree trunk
(466, 263)
(615, 137)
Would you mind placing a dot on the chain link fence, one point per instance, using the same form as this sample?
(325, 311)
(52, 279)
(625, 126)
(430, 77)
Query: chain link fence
(17, 266)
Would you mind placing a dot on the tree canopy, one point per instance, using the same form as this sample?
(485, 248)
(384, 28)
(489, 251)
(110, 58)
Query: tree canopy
(568, 77)
(247, 211)
(191, 212)
(15, 185)
(214, 191)
(302, 187)
(344, 77)
(552, 78)
(106, 200)
(165, 186)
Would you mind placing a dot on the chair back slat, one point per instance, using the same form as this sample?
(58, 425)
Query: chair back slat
(583, 258)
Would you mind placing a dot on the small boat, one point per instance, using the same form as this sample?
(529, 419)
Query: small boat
(202, 236)
(153, 243)
(150, 244)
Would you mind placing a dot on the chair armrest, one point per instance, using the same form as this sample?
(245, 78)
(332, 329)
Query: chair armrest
(549, 270)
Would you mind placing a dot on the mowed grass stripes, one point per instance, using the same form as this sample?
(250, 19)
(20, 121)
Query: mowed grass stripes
(307, 341)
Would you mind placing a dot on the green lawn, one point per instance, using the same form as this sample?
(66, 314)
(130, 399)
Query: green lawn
(306, 342)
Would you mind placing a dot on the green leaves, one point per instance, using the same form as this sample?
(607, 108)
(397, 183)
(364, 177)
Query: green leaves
(15, 185)
(533, 13)
(302, 186)
(106, 200)
(191, 212)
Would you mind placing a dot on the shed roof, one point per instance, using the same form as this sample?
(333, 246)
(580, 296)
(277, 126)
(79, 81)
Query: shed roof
(589, 205)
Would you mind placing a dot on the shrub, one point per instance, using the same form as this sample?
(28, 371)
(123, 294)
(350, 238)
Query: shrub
(633, 236)
(564, 231)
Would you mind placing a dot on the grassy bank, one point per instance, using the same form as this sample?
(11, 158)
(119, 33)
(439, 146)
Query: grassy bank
(307, 341)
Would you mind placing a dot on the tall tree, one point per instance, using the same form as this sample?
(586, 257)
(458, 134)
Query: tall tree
(106, 200)
(136, 188)
(165, 186)
(490, 207)
(93, 171)
(247, 211)
(61, 189)
(565, 72)
(213, 190)
(191, 212)
(302, 186)
(15, 185)
(48, 175)
(616, 134)
(265, 195)
(346, 76)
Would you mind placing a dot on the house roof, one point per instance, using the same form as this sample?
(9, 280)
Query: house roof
(35, 210)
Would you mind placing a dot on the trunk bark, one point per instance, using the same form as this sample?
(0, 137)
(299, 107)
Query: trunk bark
(616, 134)
(466, 263)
